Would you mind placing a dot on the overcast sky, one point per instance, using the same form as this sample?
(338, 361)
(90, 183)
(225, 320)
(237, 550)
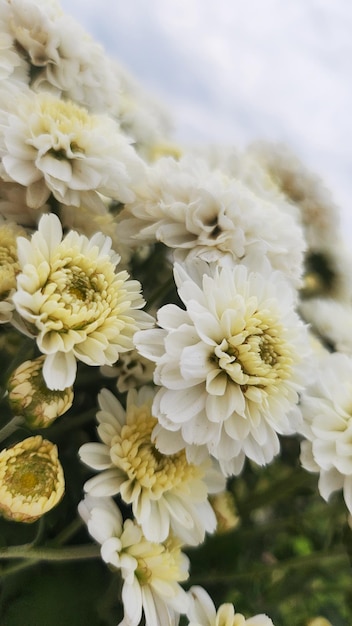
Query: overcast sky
(237, 70)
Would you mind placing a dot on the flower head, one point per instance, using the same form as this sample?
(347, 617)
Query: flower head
(151, 572)
(204, 213)
(55, 146)
(71, 298)
(31, 479)
(29, 396)
(202, 612)
(229, 366)
(166, 491)
(326, 409)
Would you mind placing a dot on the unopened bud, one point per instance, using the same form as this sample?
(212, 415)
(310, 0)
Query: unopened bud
(30, 397)
(31, 479)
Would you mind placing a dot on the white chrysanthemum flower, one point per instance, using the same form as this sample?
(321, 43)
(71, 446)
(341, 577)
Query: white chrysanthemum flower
(166, 492)
(59, 56)
(70, 295)
(318, 214)
(204, 213)
(331, 320)
(326, 408)
(151, 572)
(55, 146)
(202, 612)
(230, 366)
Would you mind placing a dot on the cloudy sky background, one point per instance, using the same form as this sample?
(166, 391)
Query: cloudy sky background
(232, 71)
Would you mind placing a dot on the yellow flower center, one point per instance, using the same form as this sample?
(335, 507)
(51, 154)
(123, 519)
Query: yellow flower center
(63, 115)
(257, 354)
(158, 561)
(134, 452)
(30, 475)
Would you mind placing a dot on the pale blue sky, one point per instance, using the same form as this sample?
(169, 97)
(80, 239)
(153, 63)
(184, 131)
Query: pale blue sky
(237, 70)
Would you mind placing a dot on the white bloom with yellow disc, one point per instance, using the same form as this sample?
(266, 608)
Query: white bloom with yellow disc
(230, 366)
(151, 572)
(74, 302)
(166, 491)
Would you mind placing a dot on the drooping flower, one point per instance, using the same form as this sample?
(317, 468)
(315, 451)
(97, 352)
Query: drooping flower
(31, 479)
(151, 572)
(166, 492)
(75, 303)
(54, 146)
(30, 398)
(326, 409)
(202, 612)
(229, 367)
(201, 212)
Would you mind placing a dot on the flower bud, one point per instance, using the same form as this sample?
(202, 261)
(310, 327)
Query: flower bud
(225, 511)
(31, 479)
(30, 397)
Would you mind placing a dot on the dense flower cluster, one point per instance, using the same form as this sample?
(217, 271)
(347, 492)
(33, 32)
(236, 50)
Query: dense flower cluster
(245, 338)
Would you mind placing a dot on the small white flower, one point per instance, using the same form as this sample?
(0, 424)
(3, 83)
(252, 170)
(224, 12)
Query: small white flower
(166, 492)
(230, 366)
(55, 146)
(78, 307)
(202, 612)
(151, 572)
(326, 408)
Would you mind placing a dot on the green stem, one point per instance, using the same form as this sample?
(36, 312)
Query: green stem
(11, 427)
(68, 532)
(316, 559)
(70, 553)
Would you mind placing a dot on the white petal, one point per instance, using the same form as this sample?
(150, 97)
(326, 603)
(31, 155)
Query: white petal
(59, 370)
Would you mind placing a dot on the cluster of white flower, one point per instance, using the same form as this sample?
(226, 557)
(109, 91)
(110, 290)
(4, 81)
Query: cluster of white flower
(234, 255)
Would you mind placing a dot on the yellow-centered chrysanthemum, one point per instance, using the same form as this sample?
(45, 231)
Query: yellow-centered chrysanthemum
(74, 302)
(151, 572)
(31, 479)
(229, 367)
(166, 491)
(54, 146)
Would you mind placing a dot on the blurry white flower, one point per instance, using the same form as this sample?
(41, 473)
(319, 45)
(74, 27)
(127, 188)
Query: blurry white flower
(303, 189)
(166, 492)
(331, 320)
(202, 612)
(58, 55)
(230, 366)
(55, 146)
(151, 572)
(74, 302)
(326, 408)
(200, 212)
